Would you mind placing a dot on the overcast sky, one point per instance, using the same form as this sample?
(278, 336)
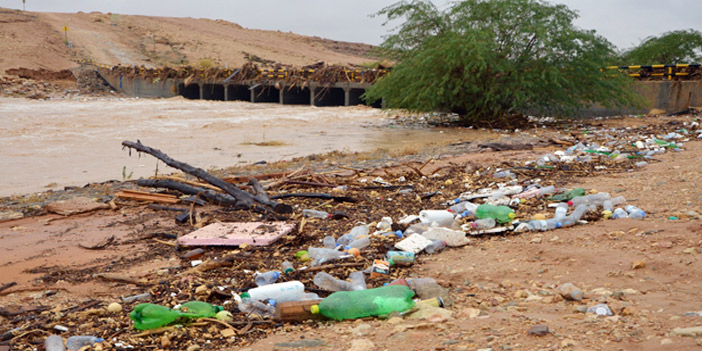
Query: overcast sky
(624, 22)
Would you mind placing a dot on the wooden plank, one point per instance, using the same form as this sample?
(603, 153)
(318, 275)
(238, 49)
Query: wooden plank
(147, 197)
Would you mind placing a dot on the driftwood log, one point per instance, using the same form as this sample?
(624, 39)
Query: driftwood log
(243, 199)
(207, 194)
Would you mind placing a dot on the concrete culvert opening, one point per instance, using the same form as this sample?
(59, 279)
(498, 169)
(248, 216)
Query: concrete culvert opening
(329, 97)
(265, 93)
(191, 91)
(238, 93)
(213, 92)
(355, 98)
(296, 96)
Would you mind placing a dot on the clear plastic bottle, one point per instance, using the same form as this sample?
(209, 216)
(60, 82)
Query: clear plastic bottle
(321, 255)
(547, 190)
(593, 199)
(315, 213)
(435, 246)
(359, 243)
(326, 281)
(504, 174)
(482, 224)
(80, 341)
(543, 225)
(427, 288)
(358, 281)
(281, 292)
(251, 306)
(561, 210)
(54, 343)
(640, 164)
(575, 216)
(619, 213)
(635, 212)
(459, 207)
(355, 232)
(329, 242)
(417, 228)
(286, 267)
(267, 278)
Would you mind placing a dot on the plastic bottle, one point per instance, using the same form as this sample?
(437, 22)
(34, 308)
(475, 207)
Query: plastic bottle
(619, 213)
(351, 236)
(54, 343)
(286, 267)
(329, 242)
(482, 224)
(359, 243)
(504, 174)
(600, 310)
(417, 228)
(400, 258)
(150, 316)
(593, 199)
(321, 255)
(635, 212)
(570, 292)
(546, 190)
(365, 303)
(358, 281)
(251, 306)
(315, 213)
(326, 281)
(435, 246)
(568, 195)
(80, 341)
(575, 216)
(561, 210)
(281, 292)
(442, 217)
(200, 309)
(501, 214)
(459, 207)
(267, 278)
(428, 288)
(543, 225)
(640, 163)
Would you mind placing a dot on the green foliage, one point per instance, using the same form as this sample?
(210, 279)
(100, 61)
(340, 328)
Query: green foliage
(124, 174)
(488, 60)
(681, 46)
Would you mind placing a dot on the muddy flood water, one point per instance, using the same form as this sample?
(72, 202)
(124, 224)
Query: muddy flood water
(53, 144)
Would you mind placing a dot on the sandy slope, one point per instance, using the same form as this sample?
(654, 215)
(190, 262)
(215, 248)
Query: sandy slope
(35, 40)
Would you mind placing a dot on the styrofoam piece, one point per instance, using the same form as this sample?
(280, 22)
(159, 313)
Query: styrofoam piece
(452, 237)
(234, 234)
(494, 230)
(414, 243)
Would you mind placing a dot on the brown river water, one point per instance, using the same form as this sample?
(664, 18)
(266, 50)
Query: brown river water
(53, 144)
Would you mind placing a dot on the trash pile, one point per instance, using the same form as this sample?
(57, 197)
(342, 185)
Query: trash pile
(350, 253)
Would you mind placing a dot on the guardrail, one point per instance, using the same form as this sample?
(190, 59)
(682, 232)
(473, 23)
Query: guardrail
(670, 72)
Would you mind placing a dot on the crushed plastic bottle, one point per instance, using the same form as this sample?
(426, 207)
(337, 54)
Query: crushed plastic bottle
(315, 213)
(619, 213)
(568, 195)
(329, 242)
(635, 212)
(359, 243)
(501, 214)
(200, 309)
(435, 246)
(358, 281)
(365, 303)
(593, 199)
(504, 174)
(321, 255)
(482, 224)
(326, 281)
(355, 232)
(427, 288)
(77, 342)
(600, 310)
(575, 216)
(251, 306)
(266, 278)
(54, 343)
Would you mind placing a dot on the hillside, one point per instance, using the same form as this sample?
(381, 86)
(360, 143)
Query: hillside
(35, 40)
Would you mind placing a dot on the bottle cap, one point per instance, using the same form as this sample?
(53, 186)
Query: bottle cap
(288, 270)
(398, 233)
(607, 214)
(511, 215)
(559, 224)
(277, 274)
(271, 302)
(570, 202)
(314, 309)
(245, 295)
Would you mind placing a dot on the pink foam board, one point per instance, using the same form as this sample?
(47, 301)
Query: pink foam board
(234, 234)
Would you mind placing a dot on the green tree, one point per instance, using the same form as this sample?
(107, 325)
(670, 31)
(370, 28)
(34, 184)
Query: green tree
(680, 46)
(490, 60)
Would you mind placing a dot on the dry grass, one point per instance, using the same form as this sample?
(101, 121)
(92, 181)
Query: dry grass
(266, 143)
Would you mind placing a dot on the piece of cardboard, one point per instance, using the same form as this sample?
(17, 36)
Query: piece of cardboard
(235, 234)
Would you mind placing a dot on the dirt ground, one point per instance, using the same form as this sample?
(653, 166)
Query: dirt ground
(647, 271)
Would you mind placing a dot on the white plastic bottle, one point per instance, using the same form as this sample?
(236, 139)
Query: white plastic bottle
(358, 281)
(280, 292)
(80, 341)
(441, 217)
(326, 281)
(266, 278)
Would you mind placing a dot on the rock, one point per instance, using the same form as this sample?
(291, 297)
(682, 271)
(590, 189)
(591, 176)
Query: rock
(202, 290)
(395, 320)
(538, 330)
(75, 205)
(666, 244)
(431, 313)
(568, 343)
(361, 345)
(689, 250)
(537, 239)
(471, 313)
(301, 343)
(691, 331)
(638, 264)
(364, 329)
(506, 284)
(114, 307)
(193, 348)
(9, 215)
(666, 341)
(165, 341)
(533, 298)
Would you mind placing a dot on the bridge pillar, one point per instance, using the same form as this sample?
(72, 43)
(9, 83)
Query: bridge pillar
(202, 90)
(226, 92)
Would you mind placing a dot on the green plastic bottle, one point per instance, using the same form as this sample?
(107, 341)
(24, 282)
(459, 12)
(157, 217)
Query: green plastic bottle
(199, 309)
(501, 214)
(568, 195)
(150, 316)
(365, 303)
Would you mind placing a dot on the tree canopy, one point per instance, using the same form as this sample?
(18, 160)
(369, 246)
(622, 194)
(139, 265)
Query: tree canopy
(681, 46)
(488, 60)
